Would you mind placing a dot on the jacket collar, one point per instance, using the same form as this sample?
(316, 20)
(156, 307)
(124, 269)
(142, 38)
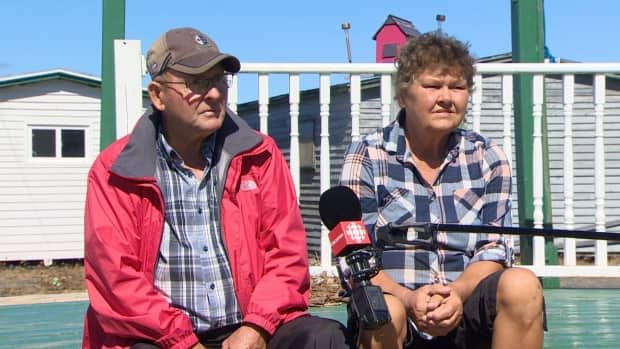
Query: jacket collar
(137, 159)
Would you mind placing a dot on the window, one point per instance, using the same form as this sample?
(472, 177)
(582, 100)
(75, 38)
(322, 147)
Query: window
(390, 50)
(72, 143)
(58, 142)
(43, 143)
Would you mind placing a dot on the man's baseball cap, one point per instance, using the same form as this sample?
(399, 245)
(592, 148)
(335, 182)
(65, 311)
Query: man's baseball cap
(187, 50)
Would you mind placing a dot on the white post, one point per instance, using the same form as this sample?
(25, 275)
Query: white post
(324, 100)
(356, 99)
(293, 100)
(128, 73)
(263, 101)
(538, 99)
(386, 98)
(600, 251)
(507, 106)
(233, 93)
(476, 100)
(568, 92)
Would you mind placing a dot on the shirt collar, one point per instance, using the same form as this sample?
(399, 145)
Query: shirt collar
(207, 148)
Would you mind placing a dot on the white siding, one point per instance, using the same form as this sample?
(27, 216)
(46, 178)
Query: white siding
(42, 200)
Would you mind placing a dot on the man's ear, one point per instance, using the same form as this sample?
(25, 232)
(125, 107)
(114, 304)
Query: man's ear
(154, 90)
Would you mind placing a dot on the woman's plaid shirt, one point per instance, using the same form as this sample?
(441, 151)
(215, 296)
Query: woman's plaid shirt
(473, 187)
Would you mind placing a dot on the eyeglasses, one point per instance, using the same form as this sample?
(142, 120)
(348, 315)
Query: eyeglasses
(200, 85)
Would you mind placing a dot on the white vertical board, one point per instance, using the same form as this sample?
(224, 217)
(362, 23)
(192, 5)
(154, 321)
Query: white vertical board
(128, 73)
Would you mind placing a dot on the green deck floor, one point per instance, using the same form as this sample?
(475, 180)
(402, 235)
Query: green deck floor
(577, 318)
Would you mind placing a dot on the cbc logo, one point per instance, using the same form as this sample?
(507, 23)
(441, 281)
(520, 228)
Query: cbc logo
(355, 232)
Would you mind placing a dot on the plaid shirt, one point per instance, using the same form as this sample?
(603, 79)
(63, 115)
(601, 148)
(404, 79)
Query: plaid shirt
(192, 269)
(473, 187)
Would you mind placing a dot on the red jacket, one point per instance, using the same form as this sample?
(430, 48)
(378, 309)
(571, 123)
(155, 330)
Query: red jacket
(263, 233)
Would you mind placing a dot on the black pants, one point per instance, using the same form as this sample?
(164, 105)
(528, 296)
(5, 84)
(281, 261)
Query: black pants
(306, 332)
(311, 332)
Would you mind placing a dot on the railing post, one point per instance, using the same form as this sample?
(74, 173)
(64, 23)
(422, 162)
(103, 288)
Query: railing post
(386, 98)
(263, 102)
(568, 92)
(507, 110)
(356, 99)
(233, 92)
(324, 100)
(293, 99)
(537, 167)
(600, 254)
(476, 101)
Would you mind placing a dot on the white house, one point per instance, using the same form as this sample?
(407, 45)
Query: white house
(49, 136)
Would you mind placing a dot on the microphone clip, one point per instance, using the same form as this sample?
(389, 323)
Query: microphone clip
(364, 263)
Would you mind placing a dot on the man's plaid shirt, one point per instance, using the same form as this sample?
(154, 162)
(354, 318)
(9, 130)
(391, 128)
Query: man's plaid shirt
(473, 187)
(193, 271)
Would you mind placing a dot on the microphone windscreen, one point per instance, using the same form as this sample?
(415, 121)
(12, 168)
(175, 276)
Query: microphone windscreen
(339, 204)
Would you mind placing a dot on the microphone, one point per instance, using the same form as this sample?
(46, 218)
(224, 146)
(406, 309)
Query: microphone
(346, 231)
(341, 212)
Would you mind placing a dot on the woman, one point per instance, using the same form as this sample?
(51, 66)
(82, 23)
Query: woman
(446, 290)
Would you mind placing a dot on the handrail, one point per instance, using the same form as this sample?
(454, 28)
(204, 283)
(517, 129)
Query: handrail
(483, 68)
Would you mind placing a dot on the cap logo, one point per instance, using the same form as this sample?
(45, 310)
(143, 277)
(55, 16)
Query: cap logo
(200, 40)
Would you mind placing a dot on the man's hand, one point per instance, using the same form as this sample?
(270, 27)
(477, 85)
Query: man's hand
(246, 337)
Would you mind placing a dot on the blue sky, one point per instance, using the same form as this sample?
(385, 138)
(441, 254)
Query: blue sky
(41, 35)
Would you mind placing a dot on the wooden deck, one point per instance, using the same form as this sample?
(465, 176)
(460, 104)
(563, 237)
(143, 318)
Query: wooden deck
(577, 318)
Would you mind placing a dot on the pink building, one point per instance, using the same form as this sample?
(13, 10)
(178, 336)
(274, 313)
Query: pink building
(391, 36)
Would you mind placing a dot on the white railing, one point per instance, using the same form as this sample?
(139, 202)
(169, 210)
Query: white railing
(357, 73)
(589, 105)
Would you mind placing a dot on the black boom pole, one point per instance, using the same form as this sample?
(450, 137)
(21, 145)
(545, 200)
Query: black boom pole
(393, 233)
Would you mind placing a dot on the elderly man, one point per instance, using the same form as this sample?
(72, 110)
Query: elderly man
(193, 235)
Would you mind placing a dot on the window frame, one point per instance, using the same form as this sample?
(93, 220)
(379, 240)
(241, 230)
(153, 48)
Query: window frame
(58, 128)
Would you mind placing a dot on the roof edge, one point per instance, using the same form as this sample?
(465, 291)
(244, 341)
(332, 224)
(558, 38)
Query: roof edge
(60, 74)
